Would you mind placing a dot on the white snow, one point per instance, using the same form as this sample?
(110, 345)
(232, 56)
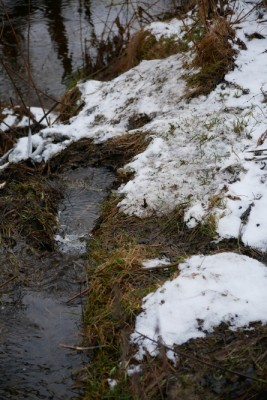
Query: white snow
(134, 369)
(112, 383)
(12, 119)
(224, 287)
(200, 150)
(156, 262)
(71, 243)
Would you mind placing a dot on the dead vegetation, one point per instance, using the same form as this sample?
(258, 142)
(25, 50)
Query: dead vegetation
(214, 58)
(113, 153)
(143, 45)
(28, 203)
(205, 367)
(70, 104)
(117, 284)
(224, 365)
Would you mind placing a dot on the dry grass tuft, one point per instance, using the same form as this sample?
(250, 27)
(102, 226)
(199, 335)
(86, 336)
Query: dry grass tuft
(117, 284)
(137, 46)
(142, 46)
(70, 104)
(29, 207)
(214, 58)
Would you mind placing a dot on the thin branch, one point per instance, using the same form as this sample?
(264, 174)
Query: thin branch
(7, 281)
(201, 361)
(77, 295)
(79, 348)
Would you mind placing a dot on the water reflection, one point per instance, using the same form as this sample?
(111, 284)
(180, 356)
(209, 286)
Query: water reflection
(58, 33)
(60, 36)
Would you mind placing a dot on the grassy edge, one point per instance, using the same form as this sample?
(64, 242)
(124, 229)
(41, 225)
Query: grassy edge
(117, 285)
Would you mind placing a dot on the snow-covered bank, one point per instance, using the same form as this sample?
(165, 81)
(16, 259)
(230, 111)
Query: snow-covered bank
(199, 148)
(199, 158)
(225, 287)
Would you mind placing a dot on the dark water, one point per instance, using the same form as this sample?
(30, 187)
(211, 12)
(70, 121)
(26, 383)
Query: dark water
(36, 325)
(55, 37)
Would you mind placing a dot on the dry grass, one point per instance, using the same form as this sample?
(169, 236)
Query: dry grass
(226, 352)
(214, 58)
(144, 46)
(141, 46)
(29, 206)
(29, 199)
(117, 285)
(113, 153)
(69, 104)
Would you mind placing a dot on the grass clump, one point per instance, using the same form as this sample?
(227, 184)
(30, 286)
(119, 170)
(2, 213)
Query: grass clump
(214, 58)
(117, 284)
(70, 104)
(143, 45)
(29, 207)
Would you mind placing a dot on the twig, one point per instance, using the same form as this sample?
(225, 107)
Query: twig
(256, 151)
(7, 281)
(46, 114)
(14, 84)
(79, 348)
(161, 267)
(199, 360)
(256, 159)
(78, 295)
(5, 156)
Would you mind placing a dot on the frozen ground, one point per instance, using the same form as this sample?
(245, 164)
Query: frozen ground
(200, 152)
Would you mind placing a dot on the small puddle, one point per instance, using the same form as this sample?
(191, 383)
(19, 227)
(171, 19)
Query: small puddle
(39, 332)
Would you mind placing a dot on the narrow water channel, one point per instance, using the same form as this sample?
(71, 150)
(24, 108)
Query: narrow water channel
(39, 331)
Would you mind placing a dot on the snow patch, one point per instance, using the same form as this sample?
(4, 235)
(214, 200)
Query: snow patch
(225, 287)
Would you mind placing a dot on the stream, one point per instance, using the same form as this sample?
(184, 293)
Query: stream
(39, 332)
(39, 328)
